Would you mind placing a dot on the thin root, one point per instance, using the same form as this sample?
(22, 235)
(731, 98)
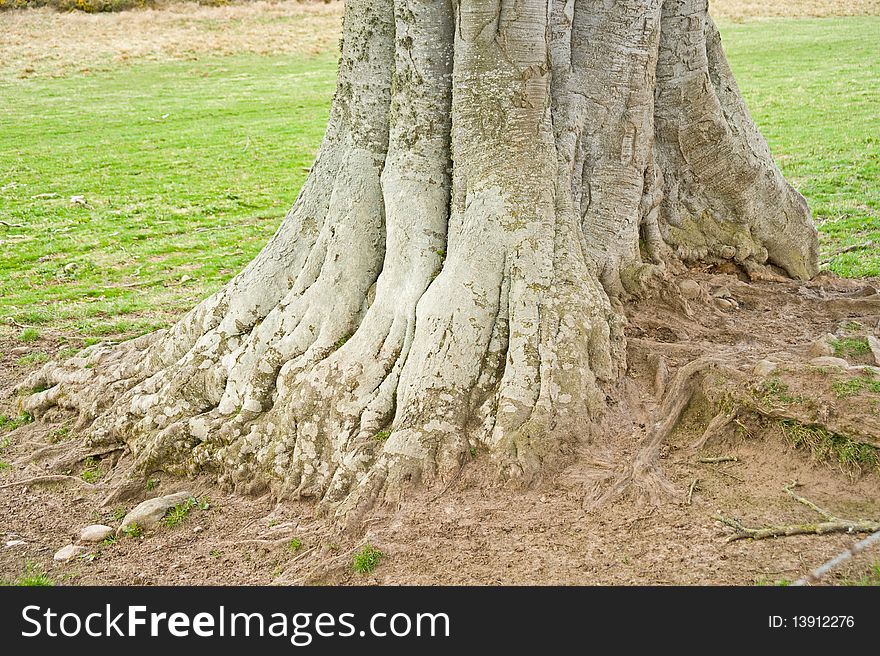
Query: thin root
(55, 478)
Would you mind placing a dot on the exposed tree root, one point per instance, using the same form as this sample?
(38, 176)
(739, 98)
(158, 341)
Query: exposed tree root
(644, 473)
(831, 524)
(716, 427)
(453, 273)
(53, 478)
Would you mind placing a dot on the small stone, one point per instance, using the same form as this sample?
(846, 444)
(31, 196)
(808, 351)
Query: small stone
(185, 278)
(874, 343)
(822, 346)
(724, 303)
(19, 350)
(690, 289)
(15, 543)
(826, 361)
(198, 529)
(66, 553)
(722, 292)
(764, 368)
(94, 533)
(149, 513)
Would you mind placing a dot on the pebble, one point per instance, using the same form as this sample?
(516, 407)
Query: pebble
(68, 552)
(15, 543)
(765, 368)
(149, 513)
(874, 343)
(94, 533)
(822, 346)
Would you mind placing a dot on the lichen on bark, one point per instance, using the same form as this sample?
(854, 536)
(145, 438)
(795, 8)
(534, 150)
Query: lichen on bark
(496, 180)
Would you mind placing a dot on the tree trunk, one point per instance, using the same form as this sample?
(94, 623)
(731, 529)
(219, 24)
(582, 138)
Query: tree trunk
(497, 178)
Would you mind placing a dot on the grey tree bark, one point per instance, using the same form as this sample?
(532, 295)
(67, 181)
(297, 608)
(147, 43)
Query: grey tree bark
(497, 178)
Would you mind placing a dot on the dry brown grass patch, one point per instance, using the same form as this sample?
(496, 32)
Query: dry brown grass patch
(745, 9)
(46, 42)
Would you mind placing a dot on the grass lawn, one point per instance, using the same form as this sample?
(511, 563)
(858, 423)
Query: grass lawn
(813, 86)
(183, 169)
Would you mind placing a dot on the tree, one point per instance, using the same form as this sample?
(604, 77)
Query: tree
(497, 179)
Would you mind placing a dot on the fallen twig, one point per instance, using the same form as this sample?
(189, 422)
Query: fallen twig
(6, 224)
(848, 249)
(832, 524)
(692, 489)
(719, 459)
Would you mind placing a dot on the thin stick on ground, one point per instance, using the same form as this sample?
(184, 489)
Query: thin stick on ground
(692, 489)
(816, 575)
(832, 524)
(848, 249)
(719, 459)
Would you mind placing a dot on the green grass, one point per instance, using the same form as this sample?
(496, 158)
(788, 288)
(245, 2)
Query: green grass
(367, 559)
(178, 513)
(825, 446)
(29, 335)
(8, 423)
(133, 530)
(185, 168)
(91, 472)
(774, 391)
(852, 386)
(765, 582)
(117, 515)
(33, 576)
(811, 85)
(196, 193)
(31, 359)
(850, 346)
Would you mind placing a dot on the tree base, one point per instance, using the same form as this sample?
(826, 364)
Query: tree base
(690, 374)
(495, 185)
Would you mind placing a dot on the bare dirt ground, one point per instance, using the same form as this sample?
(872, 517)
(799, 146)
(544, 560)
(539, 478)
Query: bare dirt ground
(475, 532)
